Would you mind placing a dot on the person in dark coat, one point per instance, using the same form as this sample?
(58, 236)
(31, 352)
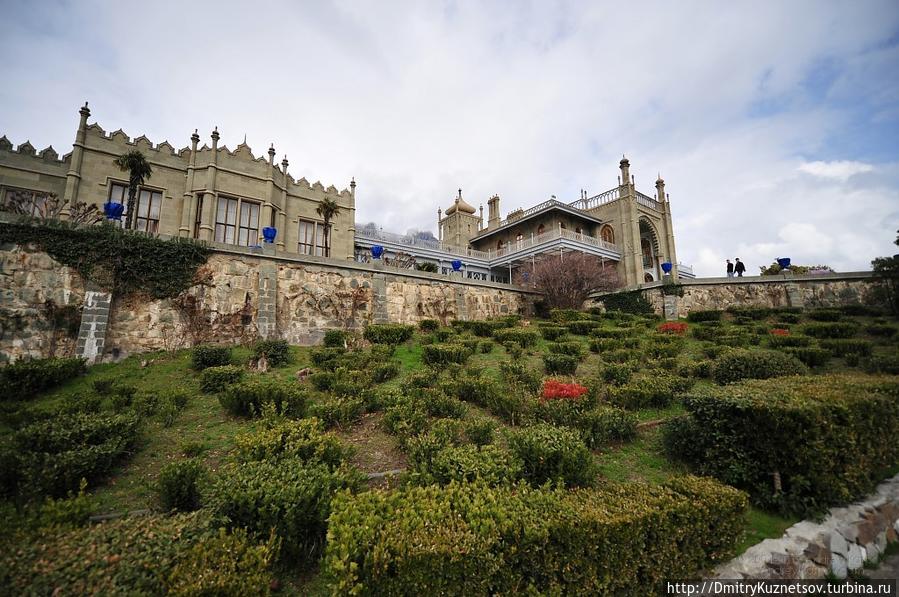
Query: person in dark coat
(730, 269)
(739, 268)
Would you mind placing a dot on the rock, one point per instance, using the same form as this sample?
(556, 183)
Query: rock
(818, 554)
(839, 566)
(783, 565)
(881, 541)
(838, 545)
(872, 552)
(855, 559)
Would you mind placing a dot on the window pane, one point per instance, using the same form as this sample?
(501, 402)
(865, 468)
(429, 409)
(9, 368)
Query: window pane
(220, 214)
(229, 234)
(244, 214)
(219, 233)
(143, 204)
(155, 203)
(232, 211)
(242, 237)
(254, 215)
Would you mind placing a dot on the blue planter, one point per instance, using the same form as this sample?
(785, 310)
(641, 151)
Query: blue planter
(113, 211)
(783, 262)
(666, 267)
(377, 251)
(269, 233)
(457, 265)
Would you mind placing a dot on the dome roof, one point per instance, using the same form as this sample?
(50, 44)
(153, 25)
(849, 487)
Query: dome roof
(460, 205)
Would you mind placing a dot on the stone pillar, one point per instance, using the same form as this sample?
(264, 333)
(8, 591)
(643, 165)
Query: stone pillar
(461, 305)
(207, 218)
(94, 320)
(188, 203)
(267, 310)
(669, 306)
(379, 298)
(282, 221)
(265, 218)
(73, 176)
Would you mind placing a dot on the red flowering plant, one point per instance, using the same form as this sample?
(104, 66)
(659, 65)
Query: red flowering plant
(673, 327)
(554, 389)
(779, 332)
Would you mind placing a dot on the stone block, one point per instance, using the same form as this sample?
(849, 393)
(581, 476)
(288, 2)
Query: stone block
(872, 552)
(818, 554)
(855, 559)
(839, 567)
(838, 545)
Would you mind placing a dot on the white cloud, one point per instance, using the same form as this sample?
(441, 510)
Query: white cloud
(522, 99)
(841, 170)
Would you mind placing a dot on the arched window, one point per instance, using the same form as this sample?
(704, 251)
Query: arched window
(577, 230)
(540, 229)
(499, 245)
(648, 278)
(607, 234)
(646, 249)
(563, 226)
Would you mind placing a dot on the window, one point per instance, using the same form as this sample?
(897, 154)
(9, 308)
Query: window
(541, 229)
(607, 234)
(149, 203)
(30, 202)
(198, 217)
(312, 239)
(237, 222)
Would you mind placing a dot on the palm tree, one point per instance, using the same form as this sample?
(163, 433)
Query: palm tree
(138, 169)
(328, 210)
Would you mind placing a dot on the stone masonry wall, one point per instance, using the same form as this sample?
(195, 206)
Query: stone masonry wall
(28, 280)
(239, 296)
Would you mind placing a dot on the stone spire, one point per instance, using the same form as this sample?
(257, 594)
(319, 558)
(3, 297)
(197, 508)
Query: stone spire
(660, 188)
(625, 166)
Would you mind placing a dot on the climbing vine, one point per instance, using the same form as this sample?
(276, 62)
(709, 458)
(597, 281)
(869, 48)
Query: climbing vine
(120, 261)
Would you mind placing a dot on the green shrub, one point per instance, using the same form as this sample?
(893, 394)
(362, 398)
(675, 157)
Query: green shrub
(103, 387)
(660, 350)
(628, 302)
(326, 358)
(617, 333)
(26, 377)
(560, 364)
(304, 440)
(246, 398)
(824, 315)
(823, 435)
(209, 355)
(846, 346)
(852, 359)
(72, 511)
(338, 411)
(139, 555)
(573, 348)
(524, 338)
(756, 313)
(738, 364)
(519, 375)
(485, 347)
(882, 364)
(622, 356)
(582, 327)
(602, 345)
(52, 456)
(334, 339)
(811, 356)
(191, 448)
(388, 333)
(705, 332)
(485, 329)
(654, 391)
(79, 403)
(616, 374)
(710, 315)
(881, 330)
(551, 453)
(383, 372)
(178, 485)
(170, 405)
(697, 369)
(479, 430)
(428, 325)
(553, 332)
(597, 425)
(277, 352)
(216, 379)
(444, 334)
(439, 404)
(830, 330)
(795, 341)
(472, 539)
(789, 318)
(436, 355)
(489, 464)
(405, 418)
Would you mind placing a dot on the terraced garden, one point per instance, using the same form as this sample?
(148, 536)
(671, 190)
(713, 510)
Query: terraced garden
(499, 456)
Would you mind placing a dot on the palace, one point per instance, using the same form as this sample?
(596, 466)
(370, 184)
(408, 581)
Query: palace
(218, 195)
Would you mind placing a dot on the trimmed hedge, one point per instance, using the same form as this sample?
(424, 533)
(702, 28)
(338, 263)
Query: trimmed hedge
(710, 315)
(444, 354)
(551, 453)
(246, 399)
(573, 348)
(209, 355)
(334, 339)
(277, 352)
(428, 325)
(487, 464)
(738, 364)
(846, 346)
(830, 330)
(470, 539)
(825, 436)
(775, 341)
(26, 377)
(627, 302)
(552, 332)
(582, 327)
(809, 355)
(304, 440)
(388, 333)
(560, 364)
(215, 379)
(178, 485)
(653, 391)
(523, 337)
(139, 555)
(288, 496)
(882, 364)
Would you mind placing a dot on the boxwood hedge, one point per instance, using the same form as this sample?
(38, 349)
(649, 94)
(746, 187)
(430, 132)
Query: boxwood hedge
(738, 364)
(624, 539)
(825, 437)
(26, 377)
(388, 333)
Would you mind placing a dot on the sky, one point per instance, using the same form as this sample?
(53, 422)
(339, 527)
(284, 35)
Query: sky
(774, 124)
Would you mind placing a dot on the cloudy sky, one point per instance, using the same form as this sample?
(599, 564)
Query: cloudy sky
(775, 124)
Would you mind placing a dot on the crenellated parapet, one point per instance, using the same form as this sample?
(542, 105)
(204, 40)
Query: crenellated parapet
(47, 155)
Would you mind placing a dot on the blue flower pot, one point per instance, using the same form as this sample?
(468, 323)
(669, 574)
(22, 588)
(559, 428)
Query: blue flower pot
(783, 262)
(269, 233)
(113, 211)
(666, 267)
(377, 251)
(457, 265)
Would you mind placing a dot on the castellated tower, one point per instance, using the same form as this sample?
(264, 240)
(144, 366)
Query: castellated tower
(459, 224)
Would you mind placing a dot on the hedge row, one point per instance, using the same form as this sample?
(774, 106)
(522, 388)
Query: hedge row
(828, 438)
(472, 539)
(25, 378)
(388, 333)
(735, 365)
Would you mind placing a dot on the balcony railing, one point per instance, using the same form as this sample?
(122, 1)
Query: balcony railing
(685, 269)
(411, 241)
(597, 200)
(550, 235)
(647, 201)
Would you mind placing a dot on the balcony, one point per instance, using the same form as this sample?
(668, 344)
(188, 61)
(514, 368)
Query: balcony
(561, 237)
(415, 246)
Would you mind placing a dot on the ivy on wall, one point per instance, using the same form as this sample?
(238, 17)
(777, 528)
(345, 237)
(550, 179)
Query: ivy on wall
(116, 260)
(629, 302)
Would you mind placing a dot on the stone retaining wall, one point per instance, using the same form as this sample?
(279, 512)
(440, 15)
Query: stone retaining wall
(240, 295)
(848, 538)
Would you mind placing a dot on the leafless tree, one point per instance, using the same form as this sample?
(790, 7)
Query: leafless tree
(567, 280)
